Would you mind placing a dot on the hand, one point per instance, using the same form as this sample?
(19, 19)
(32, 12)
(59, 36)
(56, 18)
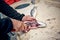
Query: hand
(32, 24)
(28, 18)
(19, 26)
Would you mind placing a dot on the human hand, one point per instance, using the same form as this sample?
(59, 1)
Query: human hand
(22, 26)
(19, 26)
(28, 18)
(32, 24)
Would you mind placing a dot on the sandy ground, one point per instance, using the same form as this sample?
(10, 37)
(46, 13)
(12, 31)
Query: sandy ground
(50, 15)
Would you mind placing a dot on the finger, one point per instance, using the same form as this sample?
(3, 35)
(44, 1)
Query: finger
(25, 26)
(27, 29)
(32, 18)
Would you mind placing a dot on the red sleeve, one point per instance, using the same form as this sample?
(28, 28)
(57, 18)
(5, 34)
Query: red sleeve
(11, 1)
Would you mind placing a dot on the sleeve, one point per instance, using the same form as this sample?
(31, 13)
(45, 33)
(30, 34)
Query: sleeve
(5, 25)
(9, 11)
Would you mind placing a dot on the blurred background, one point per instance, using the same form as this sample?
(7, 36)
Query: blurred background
(47, 11)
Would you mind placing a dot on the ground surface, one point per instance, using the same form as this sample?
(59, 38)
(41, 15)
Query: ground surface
(48, 13)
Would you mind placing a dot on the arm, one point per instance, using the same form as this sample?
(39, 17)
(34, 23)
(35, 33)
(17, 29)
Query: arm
(8, 25)
(9, 11)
